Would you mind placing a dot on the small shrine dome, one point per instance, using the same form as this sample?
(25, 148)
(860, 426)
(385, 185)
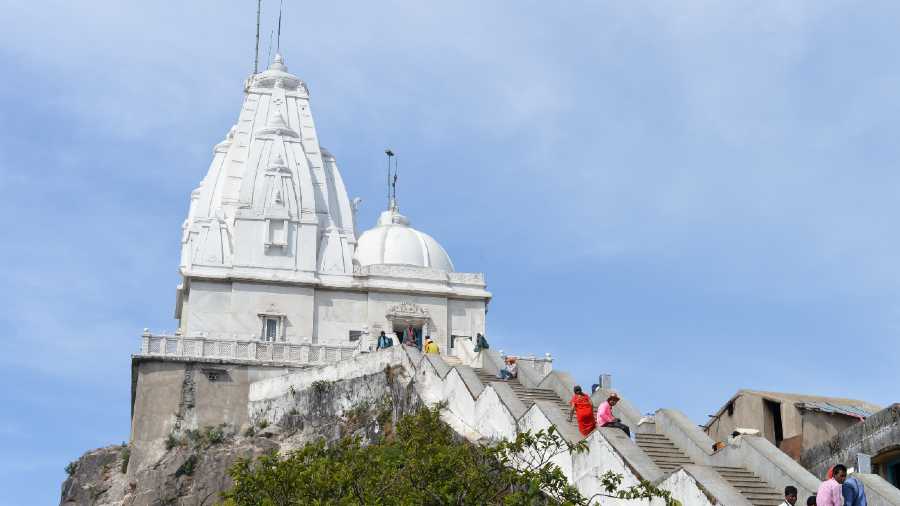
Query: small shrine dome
(392, 241)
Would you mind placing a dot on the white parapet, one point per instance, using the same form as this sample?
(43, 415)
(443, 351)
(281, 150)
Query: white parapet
(243, 350)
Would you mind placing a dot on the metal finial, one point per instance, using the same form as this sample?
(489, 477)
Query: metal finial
(256, 54)
(390, 195)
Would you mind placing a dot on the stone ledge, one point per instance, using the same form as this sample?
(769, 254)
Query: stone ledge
(138, 358)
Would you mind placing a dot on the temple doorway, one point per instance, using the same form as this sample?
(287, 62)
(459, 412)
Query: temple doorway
(402, 329)
(409, 319)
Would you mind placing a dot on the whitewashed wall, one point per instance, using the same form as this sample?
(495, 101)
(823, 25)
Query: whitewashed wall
(337, 313)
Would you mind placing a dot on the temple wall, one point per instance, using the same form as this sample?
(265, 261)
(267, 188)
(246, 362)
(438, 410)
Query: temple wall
(230, 309)
(466, 317)
(337, 313)
(226, 309)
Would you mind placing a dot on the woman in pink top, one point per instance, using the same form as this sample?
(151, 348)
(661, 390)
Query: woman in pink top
(605, 417)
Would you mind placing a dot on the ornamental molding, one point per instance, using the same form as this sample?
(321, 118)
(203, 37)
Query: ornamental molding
(408, 310)
(406, 271)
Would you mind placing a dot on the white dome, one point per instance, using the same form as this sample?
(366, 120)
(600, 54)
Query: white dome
(393, 241)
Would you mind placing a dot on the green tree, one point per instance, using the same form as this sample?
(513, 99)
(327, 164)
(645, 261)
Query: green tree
(424, 462)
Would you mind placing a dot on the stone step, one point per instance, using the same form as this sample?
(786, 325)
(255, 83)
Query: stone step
(528, 396)
(671, 462)
(667, 456)
(661, 448)
(657, 444)
(662, 452)
(754, 489)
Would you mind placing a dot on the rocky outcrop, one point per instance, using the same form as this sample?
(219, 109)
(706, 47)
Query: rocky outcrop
(98, 477)
(193, 469)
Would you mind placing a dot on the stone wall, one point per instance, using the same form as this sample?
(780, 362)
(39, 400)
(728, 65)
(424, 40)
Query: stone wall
(172, 396)
(878, 433)
(187, 431)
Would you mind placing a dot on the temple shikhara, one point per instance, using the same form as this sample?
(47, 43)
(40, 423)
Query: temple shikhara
(270, 252)
(282, 298)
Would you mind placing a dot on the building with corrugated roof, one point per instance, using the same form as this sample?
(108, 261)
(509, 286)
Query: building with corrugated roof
(792, 422)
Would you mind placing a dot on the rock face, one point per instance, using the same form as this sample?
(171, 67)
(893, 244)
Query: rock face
(193, 470)
(96, 478)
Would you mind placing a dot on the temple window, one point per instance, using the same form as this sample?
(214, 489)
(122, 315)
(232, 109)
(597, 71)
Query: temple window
(272, 327)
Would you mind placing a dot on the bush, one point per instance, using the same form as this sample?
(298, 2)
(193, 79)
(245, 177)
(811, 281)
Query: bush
(172, 441)
(425, 462)
(72, 467)
(187, 468)
(214, 435)
(207, 436)
(319, 387)
(125, 455)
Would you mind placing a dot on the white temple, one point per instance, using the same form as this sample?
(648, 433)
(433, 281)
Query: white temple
(270, 251)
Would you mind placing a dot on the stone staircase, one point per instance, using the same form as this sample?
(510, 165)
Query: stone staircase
(669, 458)
(451, 360)
(527, 395)
(754, 489)
(661, 451)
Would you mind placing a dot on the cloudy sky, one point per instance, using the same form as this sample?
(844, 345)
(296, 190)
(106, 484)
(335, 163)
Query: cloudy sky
(695, 197)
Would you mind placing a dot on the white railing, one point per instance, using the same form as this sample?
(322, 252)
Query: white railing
(204, 347)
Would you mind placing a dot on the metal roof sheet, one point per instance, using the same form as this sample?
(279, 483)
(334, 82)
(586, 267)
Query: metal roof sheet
(828, 407)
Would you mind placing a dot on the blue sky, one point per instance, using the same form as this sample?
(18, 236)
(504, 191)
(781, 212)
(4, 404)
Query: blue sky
(695, 197)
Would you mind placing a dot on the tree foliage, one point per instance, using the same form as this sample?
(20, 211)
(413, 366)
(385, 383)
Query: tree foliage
(424, 462)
